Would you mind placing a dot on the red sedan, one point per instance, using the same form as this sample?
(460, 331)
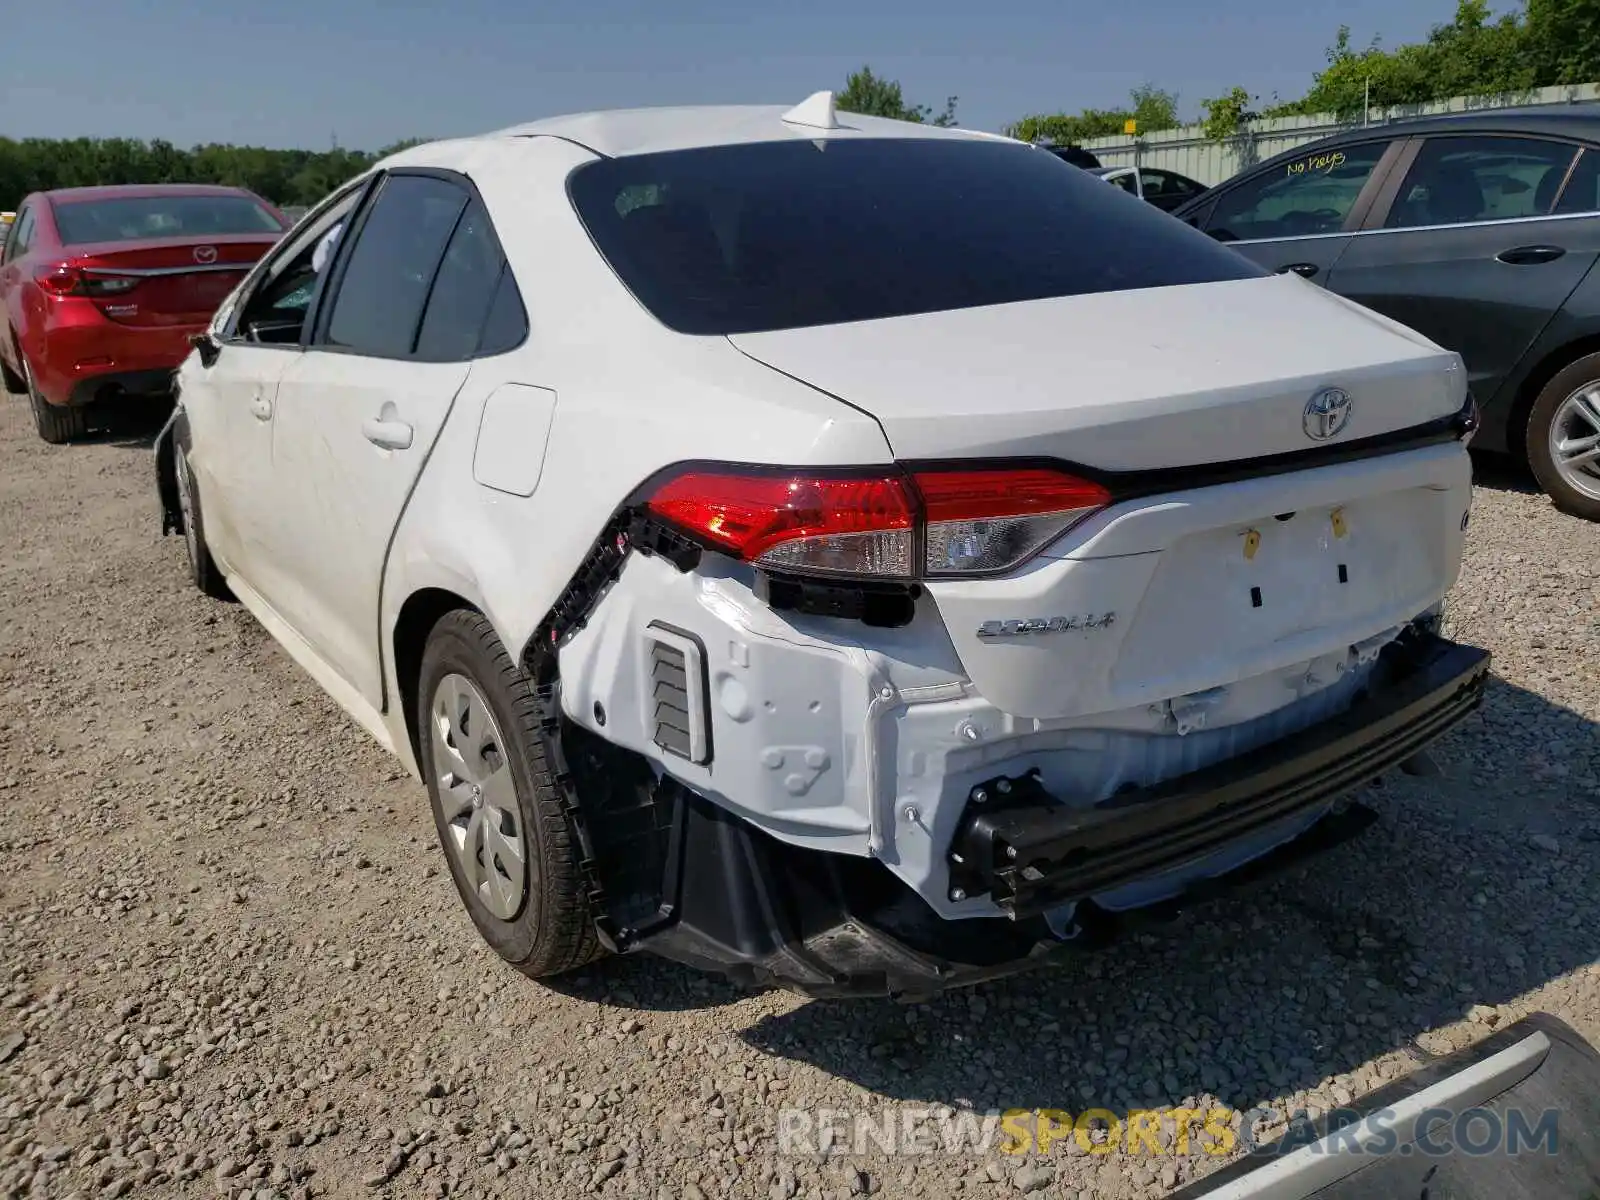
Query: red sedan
(101, 287)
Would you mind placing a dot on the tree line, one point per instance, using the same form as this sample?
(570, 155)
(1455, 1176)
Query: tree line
(282, 176)
(1546, 42)
(1543, 44)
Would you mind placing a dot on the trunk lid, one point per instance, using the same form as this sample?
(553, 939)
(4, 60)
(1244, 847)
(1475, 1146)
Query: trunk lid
(1123, 381)
(1232, 597)
(170, 281)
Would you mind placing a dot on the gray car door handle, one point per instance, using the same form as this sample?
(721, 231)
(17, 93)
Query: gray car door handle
(260, 407)
(1523, 256)
(387, 432)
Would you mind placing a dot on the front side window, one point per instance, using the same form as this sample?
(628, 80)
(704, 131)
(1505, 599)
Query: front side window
(128, 218)
(384, 283)
(1309, 194)
(1458, 179)
(780, 235)
(280, 296)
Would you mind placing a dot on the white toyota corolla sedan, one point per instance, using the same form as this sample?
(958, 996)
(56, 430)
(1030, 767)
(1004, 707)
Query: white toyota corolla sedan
(854, 555)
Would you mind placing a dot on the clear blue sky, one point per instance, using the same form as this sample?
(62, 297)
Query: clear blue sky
(298, 72)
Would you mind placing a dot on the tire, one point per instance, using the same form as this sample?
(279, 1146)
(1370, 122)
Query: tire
(56, 424)
(498, 799)
(203, 568)
(14, 384)
(1563, 413)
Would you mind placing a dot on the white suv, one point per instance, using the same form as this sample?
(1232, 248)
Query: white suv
(843, 553)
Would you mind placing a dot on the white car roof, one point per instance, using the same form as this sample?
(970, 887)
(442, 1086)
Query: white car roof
(617, 133)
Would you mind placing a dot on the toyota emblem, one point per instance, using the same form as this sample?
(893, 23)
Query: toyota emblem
(1327, 413)
(205, 254)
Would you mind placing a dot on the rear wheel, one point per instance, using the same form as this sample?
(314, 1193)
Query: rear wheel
(56, 425)
(512, 852)
(1563, 438)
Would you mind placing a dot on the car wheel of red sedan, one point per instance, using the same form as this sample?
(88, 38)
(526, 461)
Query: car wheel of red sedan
(56, 424)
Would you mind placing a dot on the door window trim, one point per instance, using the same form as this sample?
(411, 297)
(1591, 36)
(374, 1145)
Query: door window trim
(315, 334)
(1353, 220)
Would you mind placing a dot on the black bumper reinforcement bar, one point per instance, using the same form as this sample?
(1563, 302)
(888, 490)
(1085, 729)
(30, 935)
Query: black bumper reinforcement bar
(1031, 852)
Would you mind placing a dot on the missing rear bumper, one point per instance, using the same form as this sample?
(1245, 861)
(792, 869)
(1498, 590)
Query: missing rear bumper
(1032, 853)
(738, 902)
(676, 874)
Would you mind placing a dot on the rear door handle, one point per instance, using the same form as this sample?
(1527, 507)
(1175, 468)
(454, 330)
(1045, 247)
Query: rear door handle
(260, 407)
(387, 430)
(1304, 270)
(1524, 256)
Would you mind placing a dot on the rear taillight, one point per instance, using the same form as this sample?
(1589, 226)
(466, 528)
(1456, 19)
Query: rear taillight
(880, 524)
(984, 521)
(68, 280)
(834, 525)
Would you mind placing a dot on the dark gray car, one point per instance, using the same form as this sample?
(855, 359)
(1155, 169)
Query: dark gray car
(1480, 231)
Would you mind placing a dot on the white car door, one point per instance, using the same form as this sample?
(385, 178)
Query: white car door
(230, 401)
(228, 406)
(357, 412)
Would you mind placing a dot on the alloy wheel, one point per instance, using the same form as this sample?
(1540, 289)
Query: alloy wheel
(1575, 440)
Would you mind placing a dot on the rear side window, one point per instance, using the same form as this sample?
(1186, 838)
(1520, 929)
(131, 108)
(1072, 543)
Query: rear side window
(507, 325)
(385, 281)
(1457, 179)
(779, 235)
(1582, 193)
(463, 290)
(20, 236)
(127, 218)
(1309, 194)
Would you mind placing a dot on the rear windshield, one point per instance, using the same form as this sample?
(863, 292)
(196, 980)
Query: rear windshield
(129, 217)
(779, 235)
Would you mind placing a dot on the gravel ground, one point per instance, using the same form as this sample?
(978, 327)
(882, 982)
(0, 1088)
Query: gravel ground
(230, 962)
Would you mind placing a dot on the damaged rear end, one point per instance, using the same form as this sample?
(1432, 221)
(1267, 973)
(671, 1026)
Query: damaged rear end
(1150, 587)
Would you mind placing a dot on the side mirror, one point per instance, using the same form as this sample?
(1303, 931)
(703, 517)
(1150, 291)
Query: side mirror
(210, 349)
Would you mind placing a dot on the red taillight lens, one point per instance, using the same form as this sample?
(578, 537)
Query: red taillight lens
(68, 280)
(969, 522)
(984, 521)
(60, 281)
(834, 525)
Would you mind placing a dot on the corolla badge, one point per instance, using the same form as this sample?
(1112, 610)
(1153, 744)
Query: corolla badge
(1327, 413)
(1025, 626)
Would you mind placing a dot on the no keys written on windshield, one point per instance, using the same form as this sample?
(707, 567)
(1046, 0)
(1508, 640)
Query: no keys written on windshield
(1317, 164)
